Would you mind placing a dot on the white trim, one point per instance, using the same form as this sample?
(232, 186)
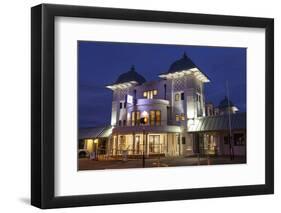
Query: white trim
(179, 74)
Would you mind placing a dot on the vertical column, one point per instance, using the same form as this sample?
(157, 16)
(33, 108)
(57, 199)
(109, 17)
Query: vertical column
(85, 143)
(116, 144)
(117, 108)
(172, 145)
(108, 145)
(134, 143)
(202, 99)
(180, 144)
(147, 144)
(172, 101)
(185, 102)
(167, 148)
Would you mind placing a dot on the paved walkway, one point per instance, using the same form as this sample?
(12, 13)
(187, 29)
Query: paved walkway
(86, 164)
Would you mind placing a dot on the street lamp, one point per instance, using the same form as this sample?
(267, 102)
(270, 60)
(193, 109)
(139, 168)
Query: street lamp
(143, 121)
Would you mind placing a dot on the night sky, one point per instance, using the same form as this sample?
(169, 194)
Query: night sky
(100, 64)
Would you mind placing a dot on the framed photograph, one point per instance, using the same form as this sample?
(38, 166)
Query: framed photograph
(140, 106)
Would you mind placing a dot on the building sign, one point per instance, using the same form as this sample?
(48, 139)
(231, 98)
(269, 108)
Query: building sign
(129, 99)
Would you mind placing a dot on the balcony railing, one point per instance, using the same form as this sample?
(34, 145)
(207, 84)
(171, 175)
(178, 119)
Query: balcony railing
(153, 128)
(144, 101)
(130, 123)
(160, 123)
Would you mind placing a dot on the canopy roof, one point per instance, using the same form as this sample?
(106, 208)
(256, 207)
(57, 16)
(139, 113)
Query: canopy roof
(95, 132)
(219, 123)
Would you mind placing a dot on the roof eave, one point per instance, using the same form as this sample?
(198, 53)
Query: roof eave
(199, 75)
(123, 85)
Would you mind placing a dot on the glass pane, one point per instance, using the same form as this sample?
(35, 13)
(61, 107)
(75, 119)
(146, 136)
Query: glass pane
(138, 118)
(133, 118)
(152, 117)
(154, 92)
(158, 117)
(145, 94)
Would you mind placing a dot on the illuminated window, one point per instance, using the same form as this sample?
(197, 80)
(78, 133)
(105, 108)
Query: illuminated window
(145, 94)
(138, 118)
(177, 118)
(149, 94)
(182, 117)
(138, 147)
(152, 118)
(177, 97)
(154, 144)
(158, 118)
(155, 92)
(155, 117)
(122, 143)
(135, 118)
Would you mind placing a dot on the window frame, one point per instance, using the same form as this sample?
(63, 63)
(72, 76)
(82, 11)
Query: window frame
(177, 97)
(182, 96)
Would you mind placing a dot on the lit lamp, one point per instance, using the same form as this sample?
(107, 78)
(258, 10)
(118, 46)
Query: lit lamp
(144, 121)
(144, 114)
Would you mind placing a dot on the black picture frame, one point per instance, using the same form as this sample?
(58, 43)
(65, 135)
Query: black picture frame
(43, 117)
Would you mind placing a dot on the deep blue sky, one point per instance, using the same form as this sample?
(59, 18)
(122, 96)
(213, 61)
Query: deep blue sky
(100, 63)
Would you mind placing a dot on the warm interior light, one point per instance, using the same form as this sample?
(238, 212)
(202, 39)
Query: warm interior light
(145, 94)
(96, 141)
(155, 92)
(89, 145)
(145, 120)
(182, 117)
(177, 97)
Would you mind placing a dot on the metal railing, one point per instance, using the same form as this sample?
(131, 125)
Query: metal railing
(129, 123)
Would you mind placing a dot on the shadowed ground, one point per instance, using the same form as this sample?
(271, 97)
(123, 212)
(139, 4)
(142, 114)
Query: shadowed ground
(87, 164)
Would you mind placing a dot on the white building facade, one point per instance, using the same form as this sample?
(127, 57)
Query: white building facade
(169, 105)
(178, 122)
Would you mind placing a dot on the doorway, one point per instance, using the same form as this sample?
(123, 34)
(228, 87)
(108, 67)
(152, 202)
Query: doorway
(154, 144)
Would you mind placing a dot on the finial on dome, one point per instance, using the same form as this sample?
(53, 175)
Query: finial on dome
(132, 68)
(184, 55)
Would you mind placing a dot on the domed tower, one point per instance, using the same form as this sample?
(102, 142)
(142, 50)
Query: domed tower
(123, 86)
(185, 84)
(227, 106)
